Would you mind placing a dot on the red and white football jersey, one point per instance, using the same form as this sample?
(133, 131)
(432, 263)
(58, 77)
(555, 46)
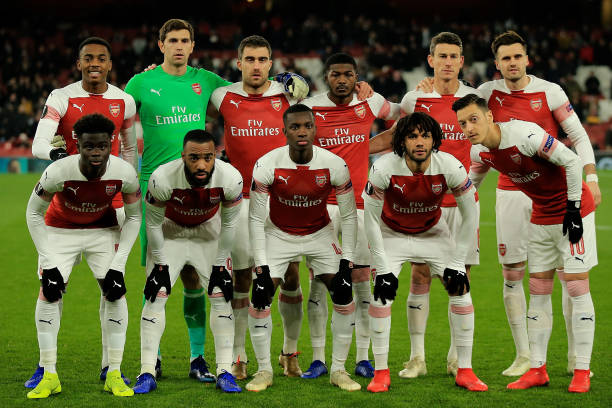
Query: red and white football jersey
(412, 201)
(540, 102)
(345, 131)
(522, 156)
(253, 124)
(81, 203)
(299, 193)
(67, 105)
(191, 206)
(440, 108)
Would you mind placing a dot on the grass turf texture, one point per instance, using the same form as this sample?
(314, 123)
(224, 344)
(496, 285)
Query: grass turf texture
(79, 338)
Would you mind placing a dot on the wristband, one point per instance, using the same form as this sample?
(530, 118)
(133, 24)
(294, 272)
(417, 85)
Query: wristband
(592, 177)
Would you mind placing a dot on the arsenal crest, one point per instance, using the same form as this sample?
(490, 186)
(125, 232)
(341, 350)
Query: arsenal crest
(536, 104)
(516, 158)
(110, 189)
(502, 249)
(114, 109)
(215, 199)
(321, 180)
(277, 104)
(360, 111)
(196, 88)
(436, 188)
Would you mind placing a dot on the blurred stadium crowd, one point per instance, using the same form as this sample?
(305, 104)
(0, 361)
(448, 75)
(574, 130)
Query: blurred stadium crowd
(391, 53)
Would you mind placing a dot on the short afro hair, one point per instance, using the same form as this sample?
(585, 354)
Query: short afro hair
(94, 123)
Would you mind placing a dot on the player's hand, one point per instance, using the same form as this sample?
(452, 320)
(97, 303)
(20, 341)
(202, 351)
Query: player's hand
(385, 287)
(456, 282)
(52, 284)
(57, 154)
(364, 90)
(150, 67)
(220, 277)
(113, 286)
(572, 222)
(295, 84)
(263, 288)
(342, 284)
(594, 187)
(157, 279)
(426, 85)
(58, 141)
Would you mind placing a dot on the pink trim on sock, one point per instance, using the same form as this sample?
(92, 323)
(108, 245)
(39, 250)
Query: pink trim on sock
(240, 303)
(259, 314)
(345, 309)
(361, 275)
(462, 310)
(216, 295)
(540, 286)
(375, 311)
(578, 287)
(513, 274)
(419, 288)
(290, 299)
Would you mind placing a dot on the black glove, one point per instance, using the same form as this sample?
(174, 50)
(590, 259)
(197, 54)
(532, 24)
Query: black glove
(342, 284)
(572, 221)
(385, 287)
(263, 288)
(113, 286)
(57, 154)
(159, 276)
(52, 284)
(220, 277)
(456, 282)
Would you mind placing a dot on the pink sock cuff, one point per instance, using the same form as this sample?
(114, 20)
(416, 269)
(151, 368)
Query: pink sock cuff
(375, 311)
(361, 275)
(513, 274)
(259, 314)
(290, 299)
(216, 295)
(345, 309)
(578, 287)
(462, 310)
(540, 286)
(419, 288)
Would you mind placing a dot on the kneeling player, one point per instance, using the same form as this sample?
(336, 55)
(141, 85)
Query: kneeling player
(405, 190)
(184, 228)
(561, 230)
(81, 220)
(299, 178)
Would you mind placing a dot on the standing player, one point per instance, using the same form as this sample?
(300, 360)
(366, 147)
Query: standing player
(298, 179)
(343, 127)
(55, 137)
(405, 190)
(183, 227)
(550, 175)
(81, 220)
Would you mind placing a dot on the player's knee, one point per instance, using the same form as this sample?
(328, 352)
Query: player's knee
(242, 279)
(420, 274)
(292, 277)
(190, 278)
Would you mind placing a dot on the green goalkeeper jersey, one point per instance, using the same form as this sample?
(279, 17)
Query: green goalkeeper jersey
(169, 107)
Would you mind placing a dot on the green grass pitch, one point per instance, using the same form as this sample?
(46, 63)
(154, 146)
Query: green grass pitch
(79, 338)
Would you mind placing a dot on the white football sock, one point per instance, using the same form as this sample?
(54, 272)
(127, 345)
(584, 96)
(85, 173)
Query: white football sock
(452, 349)
(260, 327)
(240, 306)
(516, 311)
(290, 309)
(222, 327)
(539, 327)
(47, 317)
(566, 304)
(380, 330)
(363, 293)
(343, 318)
(417, 310)
(101, 311)
(317, 318)
(583, 322)
(462, 324)
(116, 322)
(152, 325)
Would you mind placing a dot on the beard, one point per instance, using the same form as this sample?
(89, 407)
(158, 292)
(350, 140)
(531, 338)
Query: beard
(196, 182)
(418, 159)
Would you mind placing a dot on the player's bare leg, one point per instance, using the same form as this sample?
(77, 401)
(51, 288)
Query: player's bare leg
(516, 311)
(290, 309)
(240, 305)
(417, 311)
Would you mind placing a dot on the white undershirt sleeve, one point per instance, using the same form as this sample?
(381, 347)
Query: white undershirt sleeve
(154, 218)
(562, 156)
(348, 220)
(372, 212)
(41, 146)
(229, 221)
(129, 149)
(257, 217)
(467, 207)
(129, 233)
(38, 229)
(580, 139)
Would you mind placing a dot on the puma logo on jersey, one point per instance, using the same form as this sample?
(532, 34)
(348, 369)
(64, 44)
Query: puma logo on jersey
(233, 102)
(399, 188)
(426, 107)
(155, 91)
(80, 108)
(531, 134)
(321, 114)
(501, 101)
(192, 317)
(73, 189)
(286, 180)
(180, 200)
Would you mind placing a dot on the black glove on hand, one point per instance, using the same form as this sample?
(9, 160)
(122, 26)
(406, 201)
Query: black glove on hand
(572, 221)
(342, 284)
(456, 282)
(57, 154)
(113, 286)
(385, 287)
(220, 277)
(52, 284)
(158, 278)
(263, 288)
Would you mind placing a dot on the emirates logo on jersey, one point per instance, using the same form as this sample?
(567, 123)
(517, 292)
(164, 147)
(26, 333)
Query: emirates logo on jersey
(360, 111)
(502, 249)
(114, 109)
(536, 104)
(516, 158)
(277, 104)
(436, 188)
(321, 180)
(110, 189)
(196, 88)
